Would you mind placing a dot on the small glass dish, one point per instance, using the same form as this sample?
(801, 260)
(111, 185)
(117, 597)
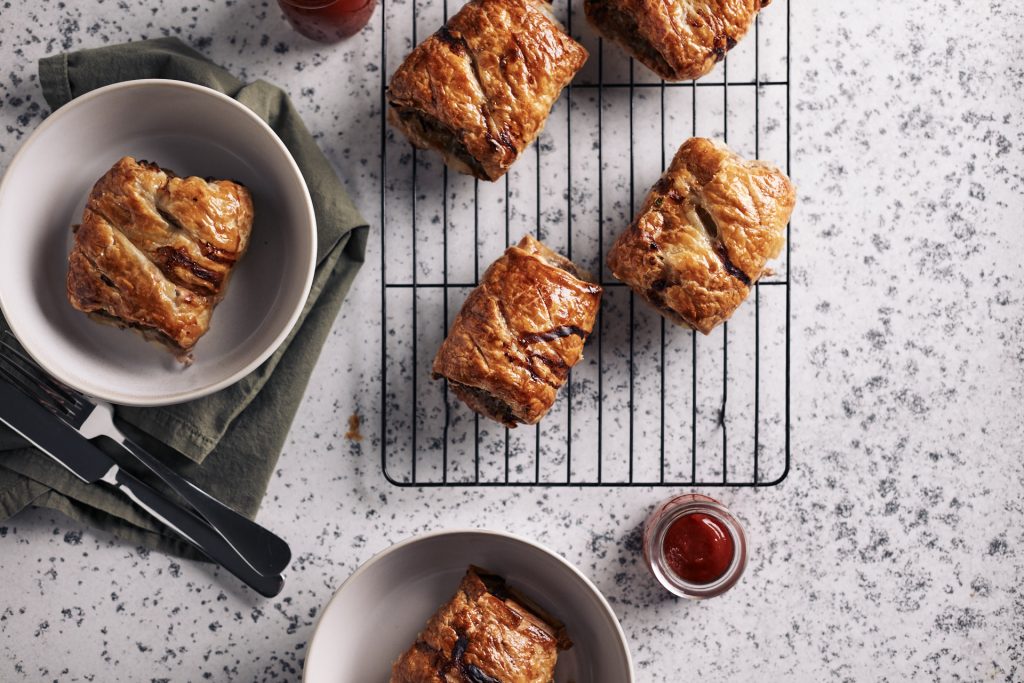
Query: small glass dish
(328, 21)
(656, 529)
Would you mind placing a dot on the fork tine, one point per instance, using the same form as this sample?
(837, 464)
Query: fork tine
(29, 388)
(13, 346)
(33, 373)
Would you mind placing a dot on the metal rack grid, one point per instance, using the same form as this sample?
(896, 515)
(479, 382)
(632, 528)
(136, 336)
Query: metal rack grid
(651, 404)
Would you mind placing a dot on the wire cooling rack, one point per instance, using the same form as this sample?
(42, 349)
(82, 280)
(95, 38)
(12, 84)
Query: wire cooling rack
(650, 403)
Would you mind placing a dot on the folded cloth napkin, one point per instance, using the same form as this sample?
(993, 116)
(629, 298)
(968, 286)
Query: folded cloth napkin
(231, 439)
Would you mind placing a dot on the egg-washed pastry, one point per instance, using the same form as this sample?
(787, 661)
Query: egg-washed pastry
(676, 39)
(487, 633)
(705, 233)
(518, 334)
(154, 252)
(480, 89)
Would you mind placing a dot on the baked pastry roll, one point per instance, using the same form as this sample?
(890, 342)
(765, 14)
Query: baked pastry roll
(154, 251)
(487, 633)
(480, 89)
(676, 39)
(705, 232)
(518, 334)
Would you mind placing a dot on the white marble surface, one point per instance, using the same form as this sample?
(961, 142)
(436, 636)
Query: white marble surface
(893, 551)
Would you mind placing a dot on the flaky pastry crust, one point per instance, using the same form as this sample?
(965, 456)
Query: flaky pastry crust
(704, 234)
(486, 632)
(677, 39)
(154, 251)
(518, 334)
(480, 89)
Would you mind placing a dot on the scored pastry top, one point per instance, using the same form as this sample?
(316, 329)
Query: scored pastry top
(518, 334)
(704, 234)
(154, 251)
(677, 39)
(486, 632)
(480, 89)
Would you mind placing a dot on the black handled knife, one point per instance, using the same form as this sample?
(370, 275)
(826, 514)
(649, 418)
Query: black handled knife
(91, 465)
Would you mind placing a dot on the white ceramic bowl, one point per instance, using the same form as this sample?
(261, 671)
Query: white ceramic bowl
(379, 610)
(191, 130)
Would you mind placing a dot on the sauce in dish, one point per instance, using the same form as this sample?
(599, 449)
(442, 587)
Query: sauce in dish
(694, 546)
(328, 21)
(698, 548)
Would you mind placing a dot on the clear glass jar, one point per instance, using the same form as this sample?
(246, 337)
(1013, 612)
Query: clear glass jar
(710, 518)
(328, 21)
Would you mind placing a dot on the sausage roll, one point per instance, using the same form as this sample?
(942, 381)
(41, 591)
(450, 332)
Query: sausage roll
(480, 89)
(518, 333)
(676, 39)
(154, 251)
(487, 633)
(705, 232)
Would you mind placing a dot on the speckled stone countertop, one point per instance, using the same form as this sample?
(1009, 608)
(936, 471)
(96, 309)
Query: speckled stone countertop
(894, 550)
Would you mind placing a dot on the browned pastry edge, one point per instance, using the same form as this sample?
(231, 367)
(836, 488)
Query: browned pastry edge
(426, 132)
(497, 586)
(446, 652)
(500, 358)
(150, 334)
(704, 234)
(479, 401)
(480, 89)
(622, 28)
(677, 47)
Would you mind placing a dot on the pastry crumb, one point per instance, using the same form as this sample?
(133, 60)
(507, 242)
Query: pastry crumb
(353, 433)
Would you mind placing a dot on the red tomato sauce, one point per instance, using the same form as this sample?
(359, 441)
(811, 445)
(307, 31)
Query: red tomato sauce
(698, 548)
(328, 21)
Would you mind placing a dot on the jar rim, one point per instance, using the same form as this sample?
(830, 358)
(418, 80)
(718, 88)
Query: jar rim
(319, 4)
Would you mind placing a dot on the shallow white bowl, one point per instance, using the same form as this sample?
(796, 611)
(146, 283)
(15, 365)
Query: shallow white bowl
(191, 130)
(379, 610)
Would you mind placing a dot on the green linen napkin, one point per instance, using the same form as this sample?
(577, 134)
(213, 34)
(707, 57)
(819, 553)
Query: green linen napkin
(231, 439)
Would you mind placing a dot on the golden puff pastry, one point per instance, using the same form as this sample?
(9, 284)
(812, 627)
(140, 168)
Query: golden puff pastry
(676, 39)
(518, 334)
(480, 89)
(487, 633)
(705, 232)
(154, 251)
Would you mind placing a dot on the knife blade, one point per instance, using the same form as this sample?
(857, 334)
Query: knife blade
(87, 462)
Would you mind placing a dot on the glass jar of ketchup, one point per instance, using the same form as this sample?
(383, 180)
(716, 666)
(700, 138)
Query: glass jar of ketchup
(694, 546)
(328, 21)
